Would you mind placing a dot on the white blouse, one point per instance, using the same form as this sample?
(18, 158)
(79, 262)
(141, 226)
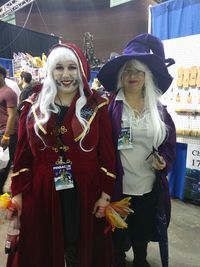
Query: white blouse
(138, 174)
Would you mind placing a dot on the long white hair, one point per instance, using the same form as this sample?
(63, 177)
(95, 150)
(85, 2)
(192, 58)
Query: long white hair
(151, 100)
(45, 103)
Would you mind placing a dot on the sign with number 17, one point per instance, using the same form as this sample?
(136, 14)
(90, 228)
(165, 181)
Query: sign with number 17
(193, 157)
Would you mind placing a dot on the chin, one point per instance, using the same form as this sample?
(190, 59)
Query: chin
(68, 90)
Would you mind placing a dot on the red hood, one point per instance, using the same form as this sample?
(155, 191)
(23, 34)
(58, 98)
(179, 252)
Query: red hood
(83, 64)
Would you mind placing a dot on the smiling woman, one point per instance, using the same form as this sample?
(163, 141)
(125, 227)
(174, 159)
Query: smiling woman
(64, 169)
(145, 140)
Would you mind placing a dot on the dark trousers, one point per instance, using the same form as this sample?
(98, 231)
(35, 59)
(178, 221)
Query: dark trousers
(141, 229)
(71, 255)
(4, 172)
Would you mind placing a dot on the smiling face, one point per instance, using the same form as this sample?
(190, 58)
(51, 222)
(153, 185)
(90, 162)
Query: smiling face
(132, 78)
(65, 74)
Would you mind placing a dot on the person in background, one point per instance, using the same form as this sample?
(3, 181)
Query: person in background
(64, 169)
(8, 123)
(27, 88)
(14, 86)
(145, 140)
(96, 85)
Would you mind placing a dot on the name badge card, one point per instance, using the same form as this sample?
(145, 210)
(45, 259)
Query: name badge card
(125, 140)
(63, 176)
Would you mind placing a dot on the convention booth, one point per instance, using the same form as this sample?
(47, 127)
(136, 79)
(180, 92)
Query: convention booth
(177, 23)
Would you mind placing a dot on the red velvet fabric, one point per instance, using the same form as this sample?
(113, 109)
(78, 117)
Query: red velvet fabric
(41, 236)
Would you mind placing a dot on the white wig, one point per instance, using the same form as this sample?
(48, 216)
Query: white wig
(45, 102)
(151, 100)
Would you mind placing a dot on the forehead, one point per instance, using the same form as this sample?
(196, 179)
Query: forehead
(129, 64)
(66, 62)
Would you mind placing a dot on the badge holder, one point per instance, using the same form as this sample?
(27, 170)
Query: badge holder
(63, 174)
(125, 140)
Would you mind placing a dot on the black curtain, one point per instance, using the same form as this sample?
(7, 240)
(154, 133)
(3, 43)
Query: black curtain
(17, 39)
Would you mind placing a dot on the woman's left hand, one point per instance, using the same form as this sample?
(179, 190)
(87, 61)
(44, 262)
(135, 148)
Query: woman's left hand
(100, 205)
(158, 163)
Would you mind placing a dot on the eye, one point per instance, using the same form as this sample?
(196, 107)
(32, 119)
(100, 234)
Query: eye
(59, 67)
(133, 71)
(72, 67)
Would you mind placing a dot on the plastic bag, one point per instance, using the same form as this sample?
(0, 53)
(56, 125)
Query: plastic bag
(5, 201)
(4, 157)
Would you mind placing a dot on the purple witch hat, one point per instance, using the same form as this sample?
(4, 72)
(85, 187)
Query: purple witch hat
(149, 50)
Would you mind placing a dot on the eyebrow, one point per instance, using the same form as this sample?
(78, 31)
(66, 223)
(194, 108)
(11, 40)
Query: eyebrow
(70, 65)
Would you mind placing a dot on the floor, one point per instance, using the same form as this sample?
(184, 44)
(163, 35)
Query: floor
(184, 238)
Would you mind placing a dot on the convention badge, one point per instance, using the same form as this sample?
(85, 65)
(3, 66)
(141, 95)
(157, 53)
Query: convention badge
(125, 140)
(63, 176)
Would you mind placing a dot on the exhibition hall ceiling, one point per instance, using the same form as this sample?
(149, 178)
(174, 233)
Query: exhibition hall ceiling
(69, 4)
(74, 4)
(71, 19)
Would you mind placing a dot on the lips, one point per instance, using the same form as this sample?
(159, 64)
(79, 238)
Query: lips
(67, 82)
(132, 81)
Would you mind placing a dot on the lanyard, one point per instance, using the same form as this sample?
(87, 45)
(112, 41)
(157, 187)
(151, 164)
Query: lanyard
(59, 142)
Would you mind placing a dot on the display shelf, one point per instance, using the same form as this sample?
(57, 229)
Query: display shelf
(34, 65)
(183, 97)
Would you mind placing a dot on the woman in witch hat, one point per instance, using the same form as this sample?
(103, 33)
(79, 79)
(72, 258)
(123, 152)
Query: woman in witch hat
(145, 139)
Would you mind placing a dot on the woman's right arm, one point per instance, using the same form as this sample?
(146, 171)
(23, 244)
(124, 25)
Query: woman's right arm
(22, 176)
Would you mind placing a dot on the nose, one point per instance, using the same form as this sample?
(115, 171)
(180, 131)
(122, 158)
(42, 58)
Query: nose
(65, 72)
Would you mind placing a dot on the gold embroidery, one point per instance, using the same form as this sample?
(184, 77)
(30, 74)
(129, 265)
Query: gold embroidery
(59, 130)
(108, 173)
(22, 170)
(57, 148)
(63, 130)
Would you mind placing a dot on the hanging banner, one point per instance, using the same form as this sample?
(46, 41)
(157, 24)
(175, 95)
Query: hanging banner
(192, 178)
(118, 2)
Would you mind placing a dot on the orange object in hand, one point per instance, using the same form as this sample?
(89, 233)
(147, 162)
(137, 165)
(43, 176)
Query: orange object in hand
(117, 212)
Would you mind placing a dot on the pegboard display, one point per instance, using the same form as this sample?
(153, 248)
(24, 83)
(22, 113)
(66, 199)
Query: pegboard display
(183, 97)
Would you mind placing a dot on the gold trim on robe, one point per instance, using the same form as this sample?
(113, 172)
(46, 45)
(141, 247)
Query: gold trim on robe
(29, 101)
(92, 118)
(108, 173)
(22, 170)
(37, 121)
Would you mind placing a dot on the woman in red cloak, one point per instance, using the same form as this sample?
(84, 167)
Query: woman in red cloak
(63, 169)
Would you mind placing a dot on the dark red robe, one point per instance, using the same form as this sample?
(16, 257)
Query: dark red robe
(41, 241)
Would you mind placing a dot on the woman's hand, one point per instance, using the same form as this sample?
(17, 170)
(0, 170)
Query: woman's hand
(158, 163)
(15, 207)
(100, 205)
(4, 143)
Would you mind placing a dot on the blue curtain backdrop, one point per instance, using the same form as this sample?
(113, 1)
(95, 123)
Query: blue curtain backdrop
(173, 19)
(176, 18)
(7, 64)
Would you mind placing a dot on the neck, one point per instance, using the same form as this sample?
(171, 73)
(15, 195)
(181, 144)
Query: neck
(135, 100)
(64, 99)
(24, 85)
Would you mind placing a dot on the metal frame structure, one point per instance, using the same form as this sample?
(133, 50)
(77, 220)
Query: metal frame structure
(12, 6)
